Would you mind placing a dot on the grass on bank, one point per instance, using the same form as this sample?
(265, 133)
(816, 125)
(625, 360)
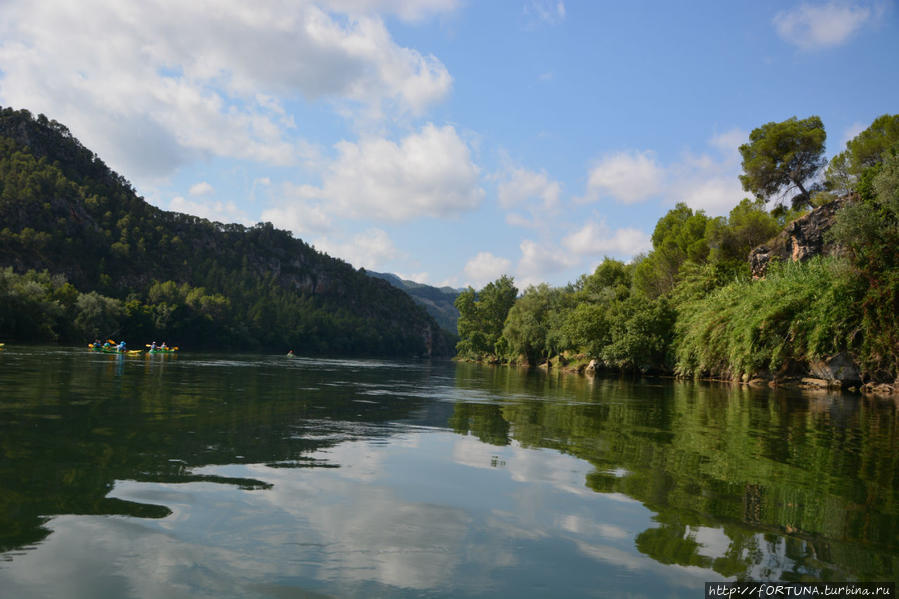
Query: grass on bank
(798, 312)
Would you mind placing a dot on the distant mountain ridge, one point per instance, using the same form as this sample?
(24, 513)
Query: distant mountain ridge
(438, 301)
(211, 284)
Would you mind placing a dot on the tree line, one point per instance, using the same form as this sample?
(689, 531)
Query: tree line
(689, 306)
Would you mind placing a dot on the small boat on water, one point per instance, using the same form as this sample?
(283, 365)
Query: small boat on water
(112, 349)
(159, 350)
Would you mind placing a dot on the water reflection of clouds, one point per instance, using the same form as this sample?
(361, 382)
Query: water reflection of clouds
(683, 576)
(713, 542)
(584, 526)
(367, 532)
(369, 525)
(525, 465)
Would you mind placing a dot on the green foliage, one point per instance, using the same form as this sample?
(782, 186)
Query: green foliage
(587, 325)
(533, 327)
(798, 312)
(679, 236)
(783, 156)
(869, 231)
(640, 331)
(862, 152)
(97, 316)
(747, 226)
(482, 316)
(29, 306)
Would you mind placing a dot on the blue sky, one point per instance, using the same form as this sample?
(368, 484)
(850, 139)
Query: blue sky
(447, 141)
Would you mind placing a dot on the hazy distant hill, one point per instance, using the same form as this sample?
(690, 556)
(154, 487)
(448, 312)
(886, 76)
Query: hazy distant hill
(179, 276)
(438, 301)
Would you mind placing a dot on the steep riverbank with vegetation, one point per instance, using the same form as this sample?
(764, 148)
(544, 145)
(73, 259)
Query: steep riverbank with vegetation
(824, 315)
(82, 256)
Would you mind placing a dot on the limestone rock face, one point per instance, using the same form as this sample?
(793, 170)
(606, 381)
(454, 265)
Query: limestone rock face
(800, 240)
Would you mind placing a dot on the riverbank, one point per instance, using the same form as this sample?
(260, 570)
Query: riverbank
(836, 373)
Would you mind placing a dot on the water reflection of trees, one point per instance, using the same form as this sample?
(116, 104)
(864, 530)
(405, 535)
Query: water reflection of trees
(752, 483)
(73, 424)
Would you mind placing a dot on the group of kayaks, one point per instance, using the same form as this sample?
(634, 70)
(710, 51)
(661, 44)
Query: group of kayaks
(110, 347)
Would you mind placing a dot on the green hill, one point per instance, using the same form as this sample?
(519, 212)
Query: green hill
(438, 301)
(121, 267)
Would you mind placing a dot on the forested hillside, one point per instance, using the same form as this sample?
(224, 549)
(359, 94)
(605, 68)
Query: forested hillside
(438, 301)
(691, 305)
(84, 256)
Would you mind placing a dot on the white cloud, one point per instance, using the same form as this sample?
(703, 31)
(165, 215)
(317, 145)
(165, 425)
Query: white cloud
(528, 191)
(519, 186)
(370, 249)
(170, 84)
(850, 133)
(710, 182)
(408, 10)
(539, 262)
(728, 143)
(485, 267)
(298, 211)
(597, 239)
(627, 177)
(223, 212)
(419, 277)
(429, 173)
(811, 26)
(551, 12)
(703, 190)
(201, 189)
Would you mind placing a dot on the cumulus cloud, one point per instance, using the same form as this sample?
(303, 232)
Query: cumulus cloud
(298, 211)
(170, 84)
(369, 249)
(223, 212)
(408, 10)
(597, 239)
(201, 189)
(710, 181)
(486, 267)
(519, 186)
(539, 262)
(811, 26)
(532, 192)
(429, 173)
(626, 177)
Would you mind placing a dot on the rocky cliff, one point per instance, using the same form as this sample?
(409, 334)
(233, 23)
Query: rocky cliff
(802, 239)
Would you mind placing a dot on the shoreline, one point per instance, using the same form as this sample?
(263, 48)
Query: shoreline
(803, 381)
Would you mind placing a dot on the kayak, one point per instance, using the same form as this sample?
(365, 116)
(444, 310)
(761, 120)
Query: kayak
(162, 351)
(112, 350)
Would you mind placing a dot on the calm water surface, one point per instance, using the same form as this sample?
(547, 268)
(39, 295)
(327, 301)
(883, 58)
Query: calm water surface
(247, 476)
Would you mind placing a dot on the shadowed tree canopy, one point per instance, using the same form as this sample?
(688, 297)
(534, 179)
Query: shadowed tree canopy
(781, 157)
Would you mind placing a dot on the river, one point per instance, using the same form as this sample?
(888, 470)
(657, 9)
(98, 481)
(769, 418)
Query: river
(205, 475)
